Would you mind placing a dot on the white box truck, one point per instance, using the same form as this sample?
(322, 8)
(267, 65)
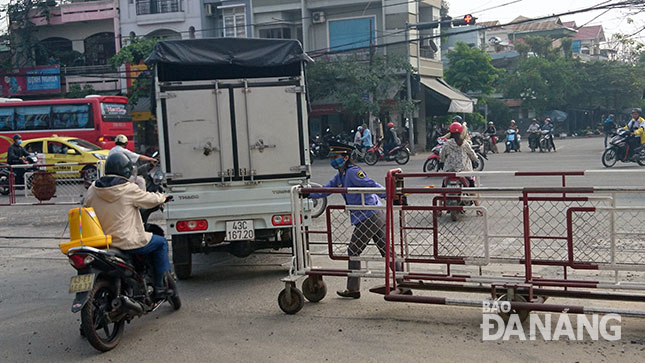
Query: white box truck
(233, 137)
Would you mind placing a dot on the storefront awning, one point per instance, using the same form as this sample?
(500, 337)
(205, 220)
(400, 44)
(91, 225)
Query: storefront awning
(445, 98)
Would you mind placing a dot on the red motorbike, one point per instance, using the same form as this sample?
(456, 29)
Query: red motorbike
(400, 154)
(432, 163)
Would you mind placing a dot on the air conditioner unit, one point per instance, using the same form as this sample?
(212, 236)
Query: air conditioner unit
(211, 10)
(318, 17)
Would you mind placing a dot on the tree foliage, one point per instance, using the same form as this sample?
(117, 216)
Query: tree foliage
(470, 69)
(359, 85)
(548, 80)
(137, 50)
(76, 91)
(21, 37)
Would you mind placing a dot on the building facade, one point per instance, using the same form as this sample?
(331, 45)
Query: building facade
(166, 19)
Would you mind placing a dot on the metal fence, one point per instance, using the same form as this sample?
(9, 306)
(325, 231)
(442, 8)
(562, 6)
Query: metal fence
(523, 242)
(46, 184)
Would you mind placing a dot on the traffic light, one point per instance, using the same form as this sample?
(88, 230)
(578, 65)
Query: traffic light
(466, 20)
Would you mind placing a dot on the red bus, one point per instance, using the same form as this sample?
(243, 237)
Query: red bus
(97, 119)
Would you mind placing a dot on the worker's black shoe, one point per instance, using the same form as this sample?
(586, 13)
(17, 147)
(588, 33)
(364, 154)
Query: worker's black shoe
(354, 294)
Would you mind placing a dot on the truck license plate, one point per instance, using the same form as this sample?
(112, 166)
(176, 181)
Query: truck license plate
(240, 230)
(81, 283)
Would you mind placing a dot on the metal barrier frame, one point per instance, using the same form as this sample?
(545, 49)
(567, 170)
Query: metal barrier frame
(529, 285)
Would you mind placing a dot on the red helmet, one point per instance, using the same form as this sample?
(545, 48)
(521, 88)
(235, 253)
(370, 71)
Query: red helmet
(389, 124)
(456, 127)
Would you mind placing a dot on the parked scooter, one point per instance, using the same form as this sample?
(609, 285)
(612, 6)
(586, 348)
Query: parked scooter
(619, 149)
(113, 287)
(546, 141)
(512, 141)
(400, 154)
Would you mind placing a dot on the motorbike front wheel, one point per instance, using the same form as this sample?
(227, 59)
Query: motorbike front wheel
(640, 159)
(480, 163)
(609, 158)
(402, 157)
(102, 333)
(430, 165)
(371, 158)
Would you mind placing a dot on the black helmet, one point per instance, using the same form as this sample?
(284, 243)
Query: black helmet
(118, 164)
(17, 137)
(457, 119)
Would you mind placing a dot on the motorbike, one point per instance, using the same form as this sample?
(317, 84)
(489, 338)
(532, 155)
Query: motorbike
(618, 149)
(358, 153)
(478, 139)
(400, 154)
(455, 200)
(113, 287)
(534, 141)
(19, 181)
(546, 141)
(489, 142)
(512, 141)
(432, 163)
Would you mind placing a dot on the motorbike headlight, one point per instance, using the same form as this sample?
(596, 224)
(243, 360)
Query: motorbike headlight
(157, 177)
(100, 156)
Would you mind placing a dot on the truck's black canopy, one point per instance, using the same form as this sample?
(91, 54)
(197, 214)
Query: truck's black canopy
(226, 58)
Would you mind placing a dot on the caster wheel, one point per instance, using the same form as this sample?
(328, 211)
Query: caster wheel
(293, 303)
(523, 314)
(314, 289)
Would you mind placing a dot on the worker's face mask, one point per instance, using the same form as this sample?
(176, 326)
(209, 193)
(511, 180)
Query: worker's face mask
(338, 162)
(18, 141)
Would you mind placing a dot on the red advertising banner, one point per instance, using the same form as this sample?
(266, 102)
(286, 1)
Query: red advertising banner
(30, 81)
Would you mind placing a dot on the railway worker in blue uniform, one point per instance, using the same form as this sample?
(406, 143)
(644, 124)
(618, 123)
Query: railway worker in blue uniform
(368, 224)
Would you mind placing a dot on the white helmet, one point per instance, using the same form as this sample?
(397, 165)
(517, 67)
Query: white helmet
(121, 139)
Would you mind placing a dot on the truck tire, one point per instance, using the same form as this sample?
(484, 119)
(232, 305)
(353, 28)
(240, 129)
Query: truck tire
(182, 256)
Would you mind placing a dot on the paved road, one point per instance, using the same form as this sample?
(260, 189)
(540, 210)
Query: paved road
(230, 311)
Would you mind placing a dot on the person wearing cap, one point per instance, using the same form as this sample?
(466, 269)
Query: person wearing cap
(609, 127)
(121, 141)
(637, 127)
(548, 126)
(491, 132)
(368, 224)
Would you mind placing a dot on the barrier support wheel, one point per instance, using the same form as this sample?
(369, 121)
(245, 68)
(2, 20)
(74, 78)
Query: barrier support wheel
(291, 299)
(314, 288)
(512, 296)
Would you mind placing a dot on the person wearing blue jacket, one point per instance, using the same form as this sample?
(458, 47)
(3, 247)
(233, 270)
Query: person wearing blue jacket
(368, 224)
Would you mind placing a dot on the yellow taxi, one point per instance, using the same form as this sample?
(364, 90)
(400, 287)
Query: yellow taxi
(62, 149)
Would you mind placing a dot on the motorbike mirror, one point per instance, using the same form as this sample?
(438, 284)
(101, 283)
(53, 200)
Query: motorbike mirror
(71, 152)
(155, 154)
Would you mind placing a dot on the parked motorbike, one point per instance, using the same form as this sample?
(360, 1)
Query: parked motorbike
(546, 141)
(478, 139)
(534, 141)
(512, 141)
(113, 287)
(432, 163)
(619, 149)
(358, 154)
(19, 181)
(400, 154)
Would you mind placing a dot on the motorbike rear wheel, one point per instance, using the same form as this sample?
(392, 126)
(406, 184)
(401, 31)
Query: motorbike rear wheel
(102, 334)
(609, 158)
(430, 165)
(402, 157)
(371, 158)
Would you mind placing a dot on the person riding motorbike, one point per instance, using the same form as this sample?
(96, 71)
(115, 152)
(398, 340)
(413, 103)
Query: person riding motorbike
(121, 142)
(549, 127)
(116, 202)
(491, 132)
(16, 155)
(534, 134)
(391, 138)
(458, 155)
(513, 126)
(637, 127)
(358, 135)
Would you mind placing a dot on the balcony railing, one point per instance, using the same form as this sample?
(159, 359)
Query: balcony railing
(145, 7)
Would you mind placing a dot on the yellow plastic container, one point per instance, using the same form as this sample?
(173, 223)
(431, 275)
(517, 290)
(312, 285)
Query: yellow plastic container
(85, 230)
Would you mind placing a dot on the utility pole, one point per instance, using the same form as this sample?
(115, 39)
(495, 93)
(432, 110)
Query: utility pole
(408, 83)
(369, 113)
